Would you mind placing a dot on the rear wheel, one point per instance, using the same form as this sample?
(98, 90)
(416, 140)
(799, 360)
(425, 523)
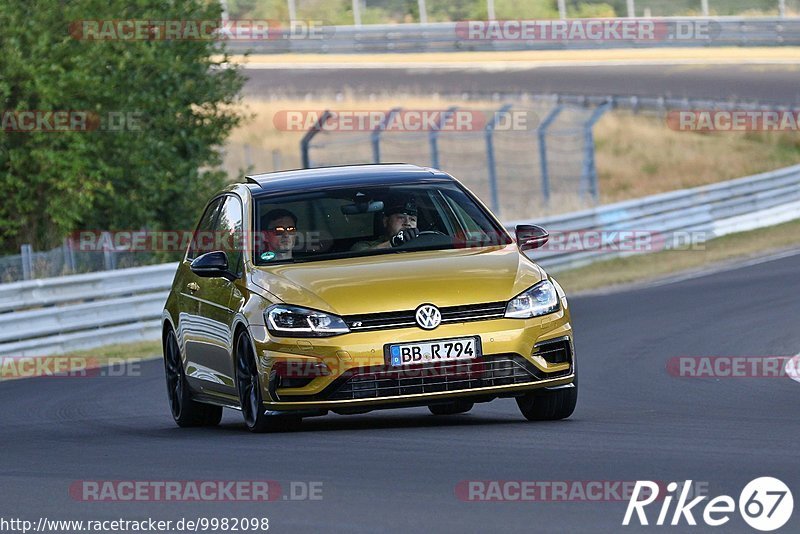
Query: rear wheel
(248, 386)
(451, 408)
(549, 404)
(185, 410)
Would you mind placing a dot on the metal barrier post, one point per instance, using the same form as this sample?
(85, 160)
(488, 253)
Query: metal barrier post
(26, 252)
(376, 135)
(589, 177)
(490, 160)
(541, 131)
(434, 134)
(314, 130)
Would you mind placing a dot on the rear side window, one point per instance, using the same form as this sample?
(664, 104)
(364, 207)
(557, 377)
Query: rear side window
(202, 239)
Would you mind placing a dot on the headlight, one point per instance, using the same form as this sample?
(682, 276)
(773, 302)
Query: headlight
(293, 321)
(541, 299)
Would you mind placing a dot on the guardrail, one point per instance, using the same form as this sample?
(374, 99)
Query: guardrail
(56, 315)
(454, 36)
(678, 219)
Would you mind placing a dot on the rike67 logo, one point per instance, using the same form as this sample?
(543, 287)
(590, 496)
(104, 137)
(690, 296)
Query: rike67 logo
(765, 504)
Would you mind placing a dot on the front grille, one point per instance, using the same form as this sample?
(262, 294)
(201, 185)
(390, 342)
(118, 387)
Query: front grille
(405, 319)
(497, 370)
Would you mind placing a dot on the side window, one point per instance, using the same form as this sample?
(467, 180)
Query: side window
(203, 238)
(228, 230)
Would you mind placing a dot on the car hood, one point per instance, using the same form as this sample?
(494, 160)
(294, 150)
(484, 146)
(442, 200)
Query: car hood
(402, 281)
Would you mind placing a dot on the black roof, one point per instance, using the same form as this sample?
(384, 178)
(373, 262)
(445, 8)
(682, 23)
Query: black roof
(343, 176)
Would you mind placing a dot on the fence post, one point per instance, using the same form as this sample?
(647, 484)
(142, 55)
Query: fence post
(490, 161)
(782, 8)
(108, 260)
(541, 131)
(314, 130)
(434, 134)
(26, 255)
(704, 7)
(73, 263)
(65, 250)
(248, 160)
(589, 178)
(276, 159)
(376, 135)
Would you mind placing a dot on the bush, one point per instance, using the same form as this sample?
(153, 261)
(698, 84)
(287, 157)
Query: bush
(156, 173)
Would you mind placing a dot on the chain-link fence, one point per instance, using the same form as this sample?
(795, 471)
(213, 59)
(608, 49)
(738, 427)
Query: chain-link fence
(537, 155)
(69, 259)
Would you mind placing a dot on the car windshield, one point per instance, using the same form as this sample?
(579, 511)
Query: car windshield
(351, 222)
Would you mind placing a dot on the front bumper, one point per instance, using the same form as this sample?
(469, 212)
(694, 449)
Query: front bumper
(516, 357)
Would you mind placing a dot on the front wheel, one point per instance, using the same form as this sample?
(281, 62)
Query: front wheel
(186, 411)
(549, 404)
(248, 386)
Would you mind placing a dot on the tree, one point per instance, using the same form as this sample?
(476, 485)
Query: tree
(171, 102)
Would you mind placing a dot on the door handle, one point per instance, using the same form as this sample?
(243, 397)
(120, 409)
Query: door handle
(192, 286)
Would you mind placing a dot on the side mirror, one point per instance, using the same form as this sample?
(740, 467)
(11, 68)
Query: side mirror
(212, 265)
(530, 236)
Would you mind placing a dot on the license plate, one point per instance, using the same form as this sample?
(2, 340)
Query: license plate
(439, 351)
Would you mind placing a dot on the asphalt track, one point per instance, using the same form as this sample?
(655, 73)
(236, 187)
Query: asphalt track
(768, 83)
(397, 470)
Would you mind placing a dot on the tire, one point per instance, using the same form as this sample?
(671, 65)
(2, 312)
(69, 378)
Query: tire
(185, 411)
(451, 408)
(248, 386)
(549, 405)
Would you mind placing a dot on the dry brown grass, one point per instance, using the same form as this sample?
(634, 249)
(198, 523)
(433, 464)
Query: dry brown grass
(639, 155)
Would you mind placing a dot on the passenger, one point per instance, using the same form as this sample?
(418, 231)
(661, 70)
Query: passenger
(280, 228)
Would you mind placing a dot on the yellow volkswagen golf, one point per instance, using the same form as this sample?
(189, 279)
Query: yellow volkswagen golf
(350, 289)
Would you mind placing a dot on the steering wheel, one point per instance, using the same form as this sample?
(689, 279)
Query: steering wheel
(432, 232)
(427, 238)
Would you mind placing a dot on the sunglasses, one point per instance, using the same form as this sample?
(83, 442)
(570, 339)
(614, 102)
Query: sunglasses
(280, 230)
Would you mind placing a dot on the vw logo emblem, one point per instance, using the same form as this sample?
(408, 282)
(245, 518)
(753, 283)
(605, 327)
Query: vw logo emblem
(428, 316)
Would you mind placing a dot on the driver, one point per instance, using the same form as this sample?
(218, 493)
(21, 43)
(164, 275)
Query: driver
(399, 224)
